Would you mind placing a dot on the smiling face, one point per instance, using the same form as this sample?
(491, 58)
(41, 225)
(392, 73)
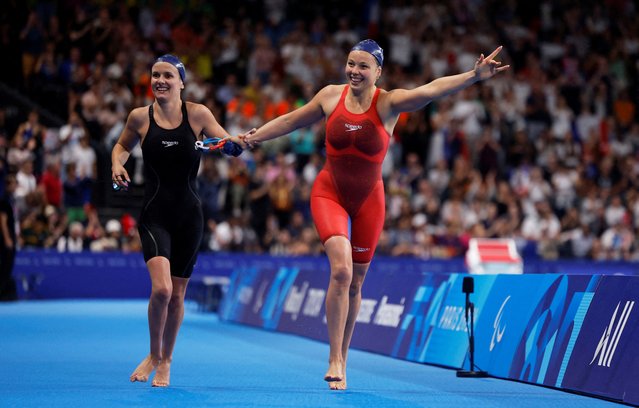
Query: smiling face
(362, 70)
(165, 80)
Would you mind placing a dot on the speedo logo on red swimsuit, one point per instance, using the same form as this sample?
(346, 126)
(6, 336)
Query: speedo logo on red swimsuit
(360, 249)
(352, 128)
(167, 143)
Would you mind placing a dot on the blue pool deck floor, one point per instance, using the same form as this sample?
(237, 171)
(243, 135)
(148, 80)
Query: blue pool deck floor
(80, 353)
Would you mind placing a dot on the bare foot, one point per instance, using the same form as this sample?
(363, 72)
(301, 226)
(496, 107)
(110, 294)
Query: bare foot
(334, 373)
(162, 374)
(337, 385)
(145, 368)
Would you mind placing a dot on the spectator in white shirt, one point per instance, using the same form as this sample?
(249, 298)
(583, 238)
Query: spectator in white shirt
(74, 241)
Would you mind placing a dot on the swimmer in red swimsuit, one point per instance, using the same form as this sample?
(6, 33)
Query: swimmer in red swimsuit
(359, 121)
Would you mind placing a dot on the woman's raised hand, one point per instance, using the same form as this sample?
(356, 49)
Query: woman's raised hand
(487, 67)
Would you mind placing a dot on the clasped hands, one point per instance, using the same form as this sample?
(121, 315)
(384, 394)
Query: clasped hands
(244, 141)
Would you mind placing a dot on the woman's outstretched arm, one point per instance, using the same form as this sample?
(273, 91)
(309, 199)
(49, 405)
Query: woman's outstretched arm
(408, 100)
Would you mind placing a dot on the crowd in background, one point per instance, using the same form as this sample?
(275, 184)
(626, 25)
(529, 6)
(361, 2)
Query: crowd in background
(546, 154)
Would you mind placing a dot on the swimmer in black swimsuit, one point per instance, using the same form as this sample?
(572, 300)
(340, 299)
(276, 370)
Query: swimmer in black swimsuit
(171, 222)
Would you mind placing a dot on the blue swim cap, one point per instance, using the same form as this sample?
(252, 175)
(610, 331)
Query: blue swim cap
(372, 48)
(175, 61)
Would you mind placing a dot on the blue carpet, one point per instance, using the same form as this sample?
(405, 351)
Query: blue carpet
(81, 353)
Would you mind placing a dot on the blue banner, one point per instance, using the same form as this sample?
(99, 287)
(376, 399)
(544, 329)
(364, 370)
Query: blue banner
(53, 275)
(257, 297)
(532, 357)
(420, 317)
(237, 303)
(386, 298)
(527, 324)
(604, 358)
(447, 340)
(505, 315)
(272, 296)
(304, 308)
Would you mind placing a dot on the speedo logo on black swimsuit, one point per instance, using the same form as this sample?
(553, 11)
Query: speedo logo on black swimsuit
(167, 143)
(352, 128)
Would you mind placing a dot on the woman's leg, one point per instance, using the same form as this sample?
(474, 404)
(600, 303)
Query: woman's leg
(366, 228)
(338, 249)
(161, 289)
(354, 301)
(174, 319)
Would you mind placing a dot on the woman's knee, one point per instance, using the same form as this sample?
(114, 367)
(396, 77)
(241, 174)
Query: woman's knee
(342, 274)
(359, 273)
(356, 285)
(177, 300)
(355, 288)
(162, 294)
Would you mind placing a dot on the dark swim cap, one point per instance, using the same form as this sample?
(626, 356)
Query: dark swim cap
(175, 61)
(372, 48)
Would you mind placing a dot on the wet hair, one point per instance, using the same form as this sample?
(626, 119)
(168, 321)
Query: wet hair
(371, 47)
(175, 61)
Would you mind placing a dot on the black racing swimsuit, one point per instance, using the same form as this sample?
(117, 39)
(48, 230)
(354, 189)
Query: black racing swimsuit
(171, 222)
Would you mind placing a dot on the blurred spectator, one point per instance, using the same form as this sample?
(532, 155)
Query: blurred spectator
(564, 182)
(131, 241)
(259, 203)
(51, 183)
(488, 153)
(225, 236)
(542, 223)
(33, 228)
(57, 223)
(107, 239)
(262, 60)
(579, 242)
(345, 35)
(101, 32)
(305, 244)
(615, 212)
(237, 193)
(281, 246)
(70, 135)
(281, 194)
(303, 146)
(212, 189)
(29, 138)
(312, 168)
(73, 240)
(85, 159)
(76, 193)
(26, 185)
(17, 154)
(562, 126)
(32, 36)
(617, 241)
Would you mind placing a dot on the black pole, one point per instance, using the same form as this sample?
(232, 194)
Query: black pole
(471, 345)
(467, 306)
(468, 287)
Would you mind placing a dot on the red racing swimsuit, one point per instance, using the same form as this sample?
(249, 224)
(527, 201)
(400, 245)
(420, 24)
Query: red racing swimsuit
(350, 184)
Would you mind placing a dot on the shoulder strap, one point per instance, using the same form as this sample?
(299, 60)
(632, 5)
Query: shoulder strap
(374, 102)
(343, 96)
(185, 115)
